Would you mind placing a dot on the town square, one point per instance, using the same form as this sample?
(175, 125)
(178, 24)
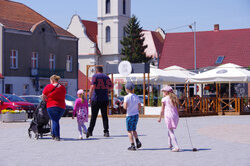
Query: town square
(124, 82)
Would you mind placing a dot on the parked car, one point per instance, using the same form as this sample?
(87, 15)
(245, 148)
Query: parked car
(34, 99)
(70, 100)
(141, 99)
(13, 102)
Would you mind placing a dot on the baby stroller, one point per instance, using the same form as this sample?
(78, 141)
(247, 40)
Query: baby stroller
(40, 124)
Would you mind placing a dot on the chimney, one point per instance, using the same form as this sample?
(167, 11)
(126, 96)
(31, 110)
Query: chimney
(216, 27)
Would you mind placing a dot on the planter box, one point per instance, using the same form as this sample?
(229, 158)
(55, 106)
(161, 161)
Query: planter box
(14, 117)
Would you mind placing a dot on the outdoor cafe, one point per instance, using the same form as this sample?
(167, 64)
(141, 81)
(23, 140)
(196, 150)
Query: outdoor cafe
(219, 91)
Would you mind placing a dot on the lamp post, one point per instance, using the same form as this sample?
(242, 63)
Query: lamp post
(193, 28)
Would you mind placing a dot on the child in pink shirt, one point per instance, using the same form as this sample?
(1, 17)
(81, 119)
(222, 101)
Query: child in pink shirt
(81, 109)
(169, 110)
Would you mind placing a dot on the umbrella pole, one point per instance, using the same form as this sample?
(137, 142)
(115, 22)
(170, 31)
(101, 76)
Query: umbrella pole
(144, 92)
(112, 92)
(152, 93)
(229, 90)
(148, 89)
(87, 75)
(217, 92)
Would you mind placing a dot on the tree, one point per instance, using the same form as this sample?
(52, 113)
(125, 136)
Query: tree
(133, 48)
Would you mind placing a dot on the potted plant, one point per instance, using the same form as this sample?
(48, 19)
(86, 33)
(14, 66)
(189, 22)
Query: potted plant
(13, 115)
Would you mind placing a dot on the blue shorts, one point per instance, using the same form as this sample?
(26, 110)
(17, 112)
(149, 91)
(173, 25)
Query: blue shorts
(131, 122)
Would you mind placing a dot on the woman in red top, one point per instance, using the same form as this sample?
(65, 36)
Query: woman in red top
(54, 93)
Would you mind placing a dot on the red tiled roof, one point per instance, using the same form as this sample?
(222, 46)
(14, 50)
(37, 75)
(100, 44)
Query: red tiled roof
(91, 30)
(178, 48)
(82, 81)
(16, 15)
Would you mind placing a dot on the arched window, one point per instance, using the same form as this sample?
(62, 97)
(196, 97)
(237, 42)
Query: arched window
(124, 32)
(124, 6)
(107, 34)
(107, 6)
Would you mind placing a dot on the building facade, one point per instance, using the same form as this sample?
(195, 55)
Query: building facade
(33, 49)
(99, 42)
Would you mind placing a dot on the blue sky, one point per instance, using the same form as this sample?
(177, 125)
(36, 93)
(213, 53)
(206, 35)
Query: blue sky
(167, 14)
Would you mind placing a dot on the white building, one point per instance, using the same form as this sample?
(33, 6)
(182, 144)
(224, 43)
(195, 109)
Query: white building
(99, 42)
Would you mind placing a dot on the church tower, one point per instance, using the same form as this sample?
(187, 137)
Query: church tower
(113, 16)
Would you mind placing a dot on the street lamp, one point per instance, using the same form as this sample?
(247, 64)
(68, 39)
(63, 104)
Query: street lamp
(193, 28)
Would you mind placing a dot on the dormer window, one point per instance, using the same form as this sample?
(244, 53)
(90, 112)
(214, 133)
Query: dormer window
(107, 6)
(124, 7)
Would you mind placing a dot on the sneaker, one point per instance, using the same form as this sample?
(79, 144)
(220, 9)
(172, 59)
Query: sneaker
(106, 134)
(170, 146)
(53, 137)
(57, 138)
(88, 134)
(175, 150)
(80, 137)
(138, 144)
(132, 148)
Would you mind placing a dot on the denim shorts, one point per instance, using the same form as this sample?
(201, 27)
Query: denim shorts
(131, 122)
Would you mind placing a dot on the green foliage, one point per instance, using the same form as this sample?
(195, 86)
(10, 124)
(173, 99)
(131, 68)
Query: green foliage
(123, 91)
(133, 48)
(138, 90)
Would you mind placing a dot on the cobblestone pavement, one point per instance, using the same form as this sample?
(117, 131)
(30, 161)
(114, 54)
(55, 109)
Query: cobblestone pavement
(221, 140)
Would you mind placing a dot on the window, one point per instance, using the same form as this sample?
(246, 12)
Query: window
(107, 34)
(124, 31)
(219, 59)
(3, 99)
(69, 63)
(107, 6)
(52, 62)
(124, 6)
(14, 59)
(34, 60)
(8, 88)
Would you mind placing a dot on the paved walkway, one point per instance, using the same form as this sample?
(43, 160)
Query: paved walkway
(221, 140)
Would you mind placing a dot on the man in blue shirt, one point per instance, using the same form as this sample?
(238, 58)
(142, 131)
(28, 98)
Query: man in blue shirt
(98, 98)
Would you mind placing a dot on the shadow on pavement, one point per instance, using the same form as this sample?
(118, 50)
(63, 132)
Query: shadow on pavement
(191, 150)
(76, 139)
(126, 135)
(155, 149)
(182, 150)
